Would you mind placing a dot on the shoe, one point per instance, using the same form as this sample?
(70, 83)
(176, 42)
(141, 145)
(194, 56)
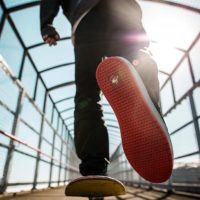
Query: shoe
(145, 138)
(92, 167)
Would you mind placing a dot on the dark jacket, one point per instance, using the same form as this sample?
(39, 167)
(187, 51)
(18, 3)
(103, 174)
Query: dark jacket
(72, 9)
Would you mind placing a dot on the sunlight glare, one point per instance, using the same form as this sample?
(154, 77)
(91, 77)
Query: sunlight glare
(166, 57)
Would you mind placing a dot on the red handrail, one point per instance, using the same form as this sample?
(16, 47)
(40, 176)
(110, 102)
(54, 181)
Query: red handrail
(14, 138)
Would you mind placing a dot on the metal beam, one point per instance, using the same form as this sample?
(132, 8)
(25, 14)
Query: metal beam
(39, 144)
(3, 19)
(195, 119)
(56, 67)
(182, 59)
(66, 110)
(61, 85)
(65, 99)
(179, 5)
(6, 170)
(23, 6)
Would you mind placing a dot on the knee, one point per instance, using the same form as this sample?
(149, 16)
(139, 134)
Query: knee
(83, 103)
(145, 65)
(148, 71)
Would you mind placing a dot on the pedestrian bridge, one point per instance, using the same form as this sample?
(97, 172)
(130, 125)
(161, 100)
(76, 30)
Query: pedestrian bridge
(37, 154)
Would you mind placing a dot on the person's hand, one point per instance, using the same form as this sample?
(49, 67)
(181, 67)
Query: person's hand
(51, 40)
(50, 35)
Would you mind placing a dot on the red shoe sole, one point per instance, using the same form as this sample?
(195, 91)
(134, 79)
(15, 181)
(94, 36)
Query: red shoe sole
(145, 139)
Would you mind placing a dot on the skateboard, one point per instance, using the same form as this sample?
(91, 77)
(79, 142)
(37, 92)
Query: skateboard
(95, 186)
(145, 139)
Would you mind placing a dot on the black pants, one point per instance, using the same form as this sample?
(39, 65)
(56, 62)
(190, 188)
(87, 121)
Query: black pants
(98, 35)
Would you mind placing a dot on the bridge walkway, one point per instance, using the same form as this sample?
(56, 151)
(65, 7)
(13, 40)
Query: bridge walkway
(132, 194)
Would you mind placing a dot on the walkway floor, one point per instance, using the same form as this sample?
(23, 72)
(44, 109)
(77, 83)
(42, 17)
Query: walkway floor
(132, 194)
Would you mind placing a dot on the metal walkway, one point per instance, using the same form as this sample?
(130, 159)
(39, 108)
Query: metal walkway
(132, 194)
(37, 92)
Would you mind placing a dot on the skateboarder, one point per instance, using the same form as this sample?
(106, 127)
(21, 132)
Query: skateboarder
(99, 28)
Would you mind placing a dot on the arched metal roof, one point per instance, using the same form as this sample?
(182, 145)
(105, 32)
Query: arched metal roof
(56, 71)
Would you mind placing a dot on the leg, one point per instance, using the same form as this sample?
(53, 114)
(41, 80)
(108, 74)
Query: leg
(144, 64)
(91, 138)
(148, 71)
(95, 38)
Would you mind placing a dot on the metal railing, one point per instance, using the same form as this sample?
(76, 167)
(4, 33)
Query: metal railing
(61, 156)
(55, 155)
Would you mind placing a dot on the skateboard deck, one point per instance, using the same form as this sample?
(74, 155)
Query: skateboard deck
(95, 186)
(144, 135)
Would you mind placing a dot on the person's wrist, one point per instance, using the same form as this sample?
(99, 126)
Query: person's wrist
(49, 31)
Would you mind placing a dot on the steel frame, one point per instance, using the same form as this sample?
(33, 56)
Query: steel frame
(11, 147)
(114, 169)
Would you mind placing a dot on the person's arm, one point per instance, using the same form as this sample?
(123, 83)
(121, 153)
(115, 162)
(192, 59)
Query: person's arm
(48, 11)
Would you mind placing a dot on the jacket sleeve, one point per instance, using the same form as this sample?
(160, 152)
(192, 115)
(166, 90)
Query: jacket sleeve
(48, 11)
